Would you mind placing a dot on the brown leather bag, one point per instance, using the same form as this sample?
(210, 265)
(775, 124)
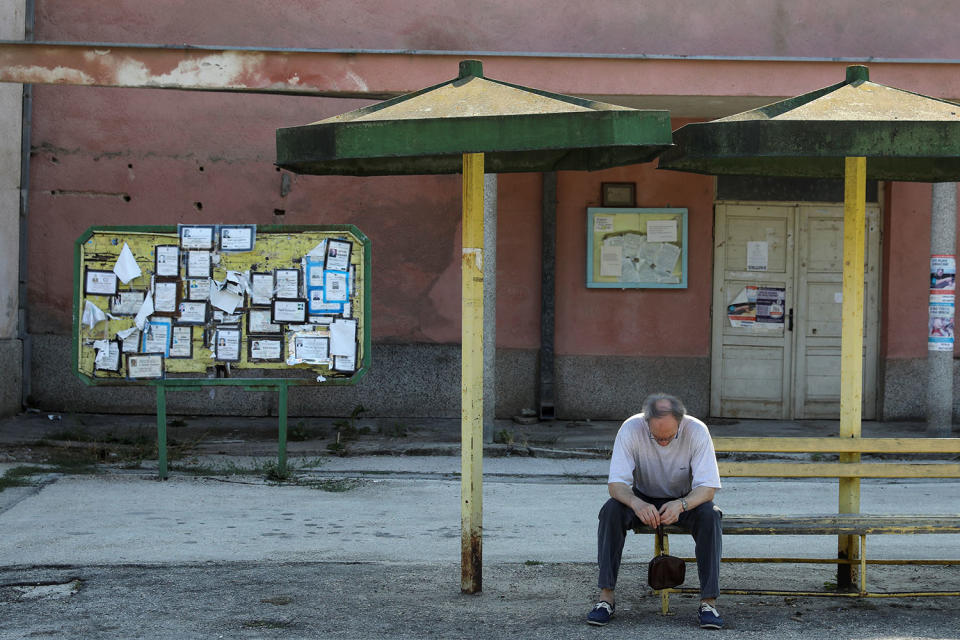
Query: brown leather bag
(665, 571)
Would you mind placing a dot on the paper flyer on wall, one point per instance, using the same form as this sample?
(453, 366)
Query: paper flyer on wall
(940, 325)
(943, 273)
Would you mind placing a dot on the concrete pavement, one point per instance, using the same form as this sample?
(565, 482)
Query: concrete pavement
(368, 546)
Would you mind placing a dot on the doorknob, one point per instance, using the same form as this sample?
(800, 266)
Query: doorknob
(790, 316)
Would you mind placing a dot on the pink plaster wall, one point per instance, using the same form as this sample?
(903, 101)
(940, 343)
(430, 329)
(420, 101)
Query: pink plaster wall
(800, 28)
(634, 322)
(134, 157)
(906, 270)
(114, 156)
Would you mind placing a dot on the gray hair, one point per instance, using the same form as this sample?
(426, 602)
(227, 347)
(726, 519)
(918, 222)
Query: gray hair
(650, 409)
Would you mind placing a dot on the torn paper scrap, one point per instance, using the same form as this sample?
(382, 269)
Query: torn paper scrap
(101, 347)
(146, 310)
(319, 252)
(126, 267)
(224, 299)
(92, 314)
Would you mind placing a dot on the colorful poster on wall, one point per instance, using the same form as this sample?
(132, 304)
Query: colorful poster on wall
(757, 307)
(943, 275)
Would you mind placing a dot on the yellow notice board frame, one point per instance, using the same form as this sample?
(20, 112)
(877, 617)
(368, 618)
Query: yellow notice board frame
(282, 247)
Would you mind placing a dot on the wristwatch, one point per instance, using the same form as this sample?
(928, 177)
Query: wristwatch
(683, 503)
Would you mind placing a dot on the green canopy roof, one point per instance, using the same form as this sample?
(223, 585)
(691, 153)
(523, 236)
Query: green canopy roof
(903, 135)
(518, 128)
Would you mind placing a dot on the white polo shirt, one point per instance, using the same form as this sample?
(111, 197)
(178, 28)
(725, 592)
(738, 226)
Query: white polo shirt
(671, 471)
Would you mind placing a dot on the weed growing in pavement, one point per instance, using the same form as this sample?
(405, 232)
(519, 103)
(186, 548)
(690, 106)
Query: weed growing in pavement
(533, 563)
(80, 451)
(503, 437)
(331, 485)
(18, 477)
(266, 624)
(337, 448)
(347, 427)
(299, 432)
(274, 472)
(396, 430)
(268, 469)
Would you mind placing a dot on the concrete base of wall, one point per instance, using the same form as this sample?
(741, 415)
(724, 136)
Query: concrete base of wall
(614, 387)
(413, 381)
(904, 390)
(11, 381)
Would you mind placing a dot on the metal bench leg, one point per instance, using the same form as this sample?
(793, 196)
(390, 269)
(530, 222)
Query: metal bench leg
(863, 564)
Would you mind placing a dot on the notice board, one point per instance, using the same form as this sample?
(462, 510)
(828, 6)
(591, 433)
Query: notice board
(238, 301)
(636, 248)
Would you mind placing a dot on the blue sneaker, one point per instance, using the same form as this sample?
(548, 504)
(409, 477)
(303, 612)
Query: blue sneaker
(601, 614)
(709, 617)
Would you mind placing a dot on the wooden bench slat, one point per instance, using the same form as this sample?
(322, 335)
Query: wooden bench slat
(833, 524)
(763, 444)
(838, 470)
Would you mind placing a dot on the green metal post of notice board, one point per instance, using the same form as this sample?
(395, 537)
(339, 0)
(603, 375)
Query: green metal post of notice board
(278, 385)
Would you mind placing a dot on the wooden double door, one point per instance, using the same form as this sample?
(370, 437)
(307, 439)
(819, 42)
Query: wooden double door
(777, 310)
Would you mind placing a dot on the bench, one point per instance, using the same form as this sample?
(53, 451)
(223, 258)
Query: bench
(851, 528)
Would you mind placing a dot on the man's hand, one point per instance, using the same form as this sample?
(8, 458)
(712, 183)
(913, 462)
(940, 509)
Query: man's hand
(670, 512)
(647, 513)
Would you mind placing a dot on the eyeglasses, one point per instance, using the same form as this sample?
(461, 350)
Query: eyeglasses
(665, 441)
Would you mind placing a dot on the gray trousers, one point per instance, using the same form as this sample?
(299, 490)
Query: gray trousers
(703, 522)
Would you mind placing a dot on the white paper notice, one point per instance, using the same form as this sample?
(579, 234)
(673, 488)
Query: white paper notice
(198, 264)
(165, 297)
(168, 260)
(611, 258)
(287, 283)
(145, 366)
(261, 288)
(335, 286)
(338, 255)
(756, 255)
(602, 224)
(343, 337)
(314, 349)
(661, 231)
(126, 267)
(108, 355)
(227, 345)
(266, 349)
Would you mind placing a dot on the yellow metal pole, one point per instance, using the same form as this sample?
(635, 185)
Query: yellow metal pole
(851, 345)
(471, 378)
